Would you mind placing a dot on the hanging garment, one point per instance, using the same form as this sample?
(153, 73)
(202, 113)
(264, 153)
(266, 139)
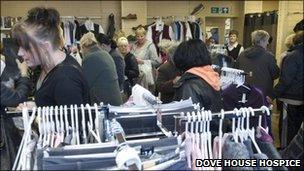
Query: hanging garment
(88, 26)
(237, 97)
(233, 150)
(111, 27)
(156, 33)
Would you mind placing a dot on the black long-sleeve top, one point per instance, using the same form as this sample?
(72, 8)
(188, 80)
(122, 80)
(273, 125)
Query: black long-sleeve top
(64, 85)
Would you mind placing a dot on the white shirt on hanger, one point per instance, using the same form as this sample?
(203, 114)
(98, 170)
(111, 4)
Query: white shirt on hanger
(90, 26)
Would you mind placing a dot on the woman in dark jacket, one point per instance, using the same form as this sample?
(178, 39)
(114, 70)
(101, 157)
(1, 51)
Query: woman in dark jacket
(167, 75)
(290, 86)
(11, 97)
(198, 81)
(100, 72)
(131, 69)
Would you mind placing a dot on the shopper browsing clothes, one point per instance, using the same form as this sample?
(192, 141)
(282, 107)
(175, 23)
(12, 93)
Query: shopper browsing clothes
(168, 74)
(147, 58)
(100, 71)
(131, 69)
(198, 80)
(110, 46)
(40, 38)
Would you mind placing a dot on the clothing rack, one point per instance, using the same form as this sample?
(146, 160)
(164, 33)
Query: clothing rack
(228, 114)
(227, 69)
(170, 17)
(81, 17)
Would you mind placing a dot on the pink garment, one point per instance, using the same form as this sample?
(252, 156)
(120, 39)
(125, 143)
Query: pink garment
(216, 145)
(192, 150)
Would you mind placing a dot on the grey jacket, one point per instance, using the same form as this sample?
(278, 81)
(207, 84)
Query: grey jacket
(100, 72)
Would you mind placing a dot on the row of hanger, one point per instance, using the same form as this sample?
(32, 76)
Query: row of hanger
(190, 18)
(200, 132)
(48, 126)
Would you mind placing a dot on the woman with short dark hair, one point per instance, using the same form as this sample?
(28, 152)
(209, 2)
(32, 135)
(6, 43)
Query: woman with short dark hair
(198, 81)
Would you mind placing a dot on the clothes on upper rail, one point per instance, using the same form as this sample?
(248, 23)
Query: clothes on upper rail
(69, 31)
(186, 30)
(111, 26)
(86, 27)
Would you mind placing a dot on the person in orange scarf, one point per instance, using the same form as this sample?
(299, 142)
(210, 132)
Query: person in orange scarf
(198, 81)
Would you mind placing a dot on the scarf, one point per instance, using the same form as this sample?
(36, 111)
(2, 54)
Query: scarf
(207, 74)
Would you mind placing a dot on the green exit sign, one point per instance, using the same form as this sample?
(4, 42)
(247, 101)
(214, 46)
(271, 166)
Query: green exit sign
(224, 10)
(219, 10)
(215, 10)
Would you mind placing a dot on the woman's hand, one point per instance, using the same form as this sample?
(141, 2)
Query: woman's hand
(23, 68)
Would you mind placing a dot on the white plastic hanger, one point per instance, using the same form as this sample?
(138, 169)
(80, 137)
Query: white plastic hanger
(201, 133)
(205, 152)
(237, 129)
(77, 125)
(61, 124)
(90, 123)
(195, 117)
(39, 125)
(83, 124)
(187, 125)
(57, 120)
(52, 126)
(248, 122)
(243, 131)
(264, 109)
(206, 135)
(66, 121)
(234, 132)
(209, 135)
(90, 115)
(252, 135)
(49, 130)
(192, 129)
(20, 159)
(73, 125)
(199, 129)
(44, 136)
(96, 121)
(221, 133)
